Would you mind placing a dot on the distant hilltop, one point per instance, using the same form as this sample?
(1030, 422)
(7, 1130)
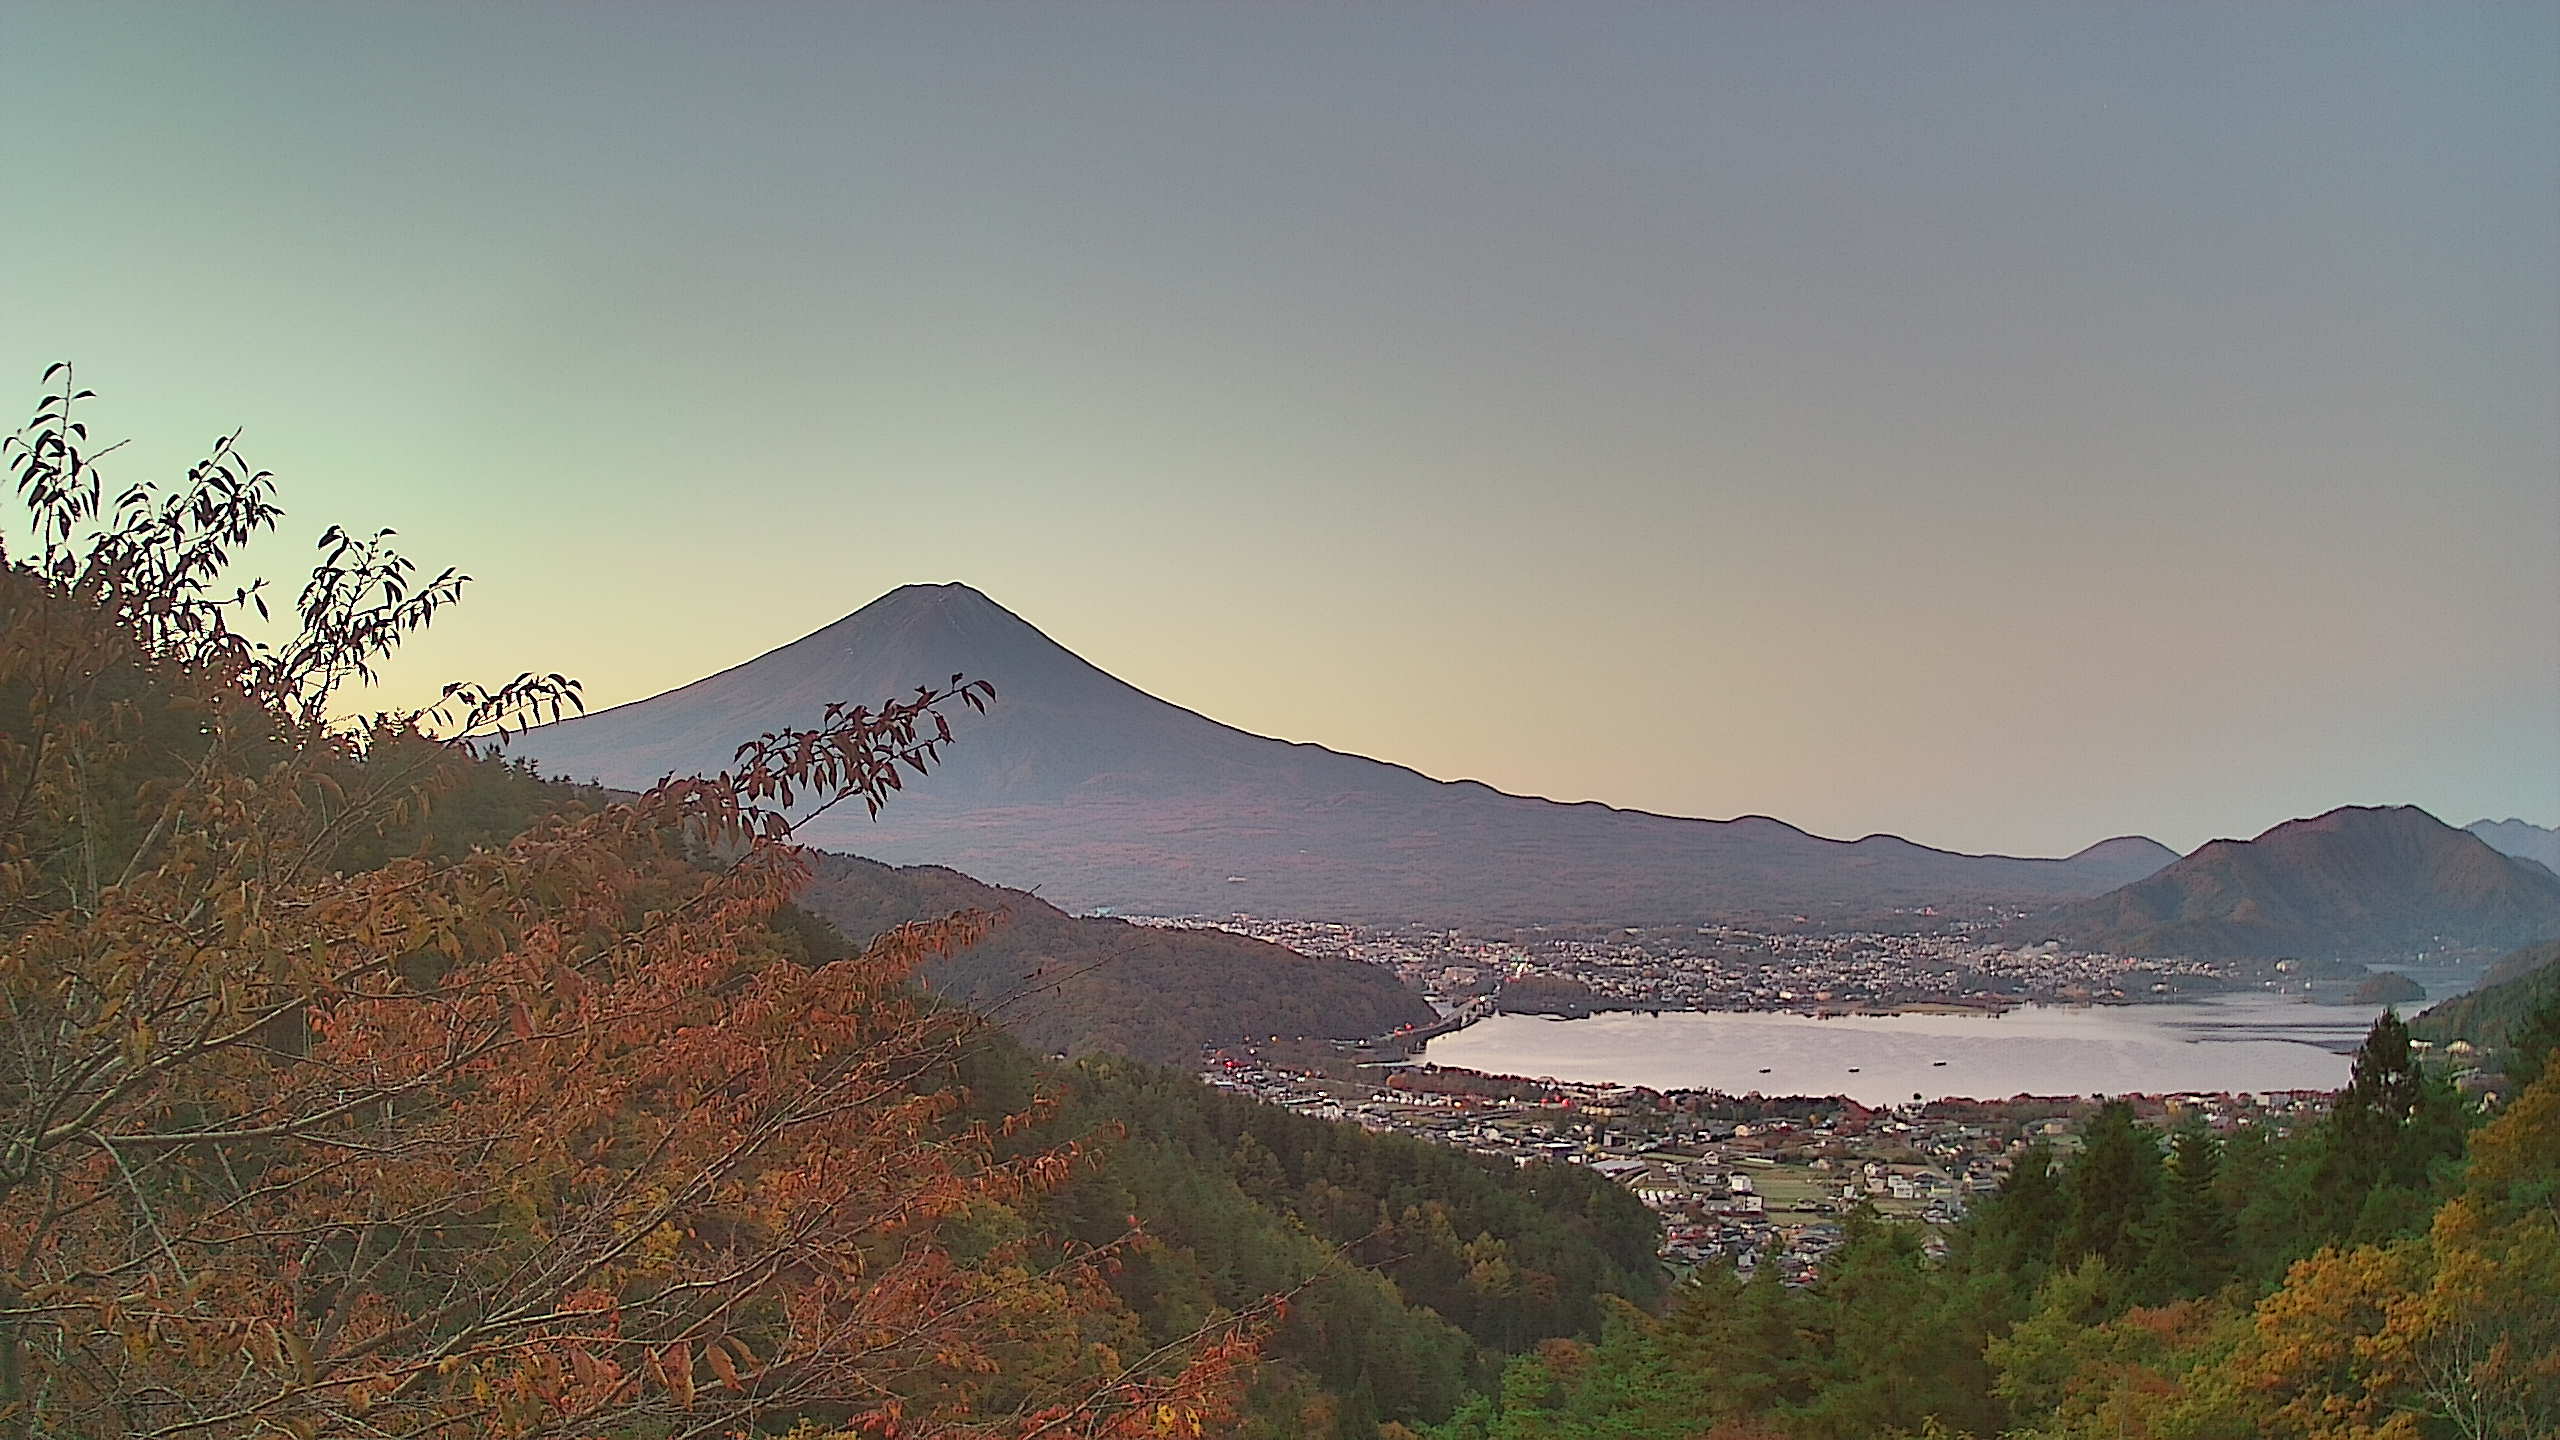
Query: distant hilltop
(1096, 793)
(2358, 883)
(1076, 984)
(2521, 839)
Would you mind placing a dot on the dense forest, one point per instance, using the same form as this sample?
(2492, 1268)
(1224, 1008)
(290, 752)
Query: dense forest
(1412, 1269)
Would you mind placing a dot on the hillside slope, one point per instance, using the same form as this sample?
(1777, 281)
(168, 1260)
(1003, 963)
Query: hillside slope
(2507, 994)
(1079, 984)
(1097, 794)
(2358, 883)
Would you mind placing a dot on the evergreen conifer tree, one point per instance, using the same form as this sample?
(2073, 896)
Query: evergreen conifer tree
(2112, 1186)
(2190, 1250)
(2387, 1133)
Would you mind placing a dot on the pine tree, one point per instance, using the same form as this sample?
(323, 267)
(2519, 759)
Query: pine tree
(2388, 1132)
(2015, 1233)
(2383, 1091)
(2112, 1185)
(2190, 1248)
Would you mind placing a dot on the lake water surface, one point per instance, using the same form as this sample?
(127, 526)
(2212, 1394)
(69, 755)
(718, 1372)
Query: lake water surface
(2229, 1043)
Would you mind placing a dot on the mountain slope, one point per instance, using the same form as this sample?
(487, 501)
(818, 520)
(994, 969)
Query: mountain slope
(1077, 984)
(2507, 994)
(1098, 794)
(2522, 839)
(2357, 883)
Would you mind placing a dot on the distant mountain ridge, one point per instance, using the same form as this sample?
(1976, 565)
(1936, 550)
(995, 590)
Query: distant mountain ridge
(1097, 794)
(2522, 839)
(2357, 883)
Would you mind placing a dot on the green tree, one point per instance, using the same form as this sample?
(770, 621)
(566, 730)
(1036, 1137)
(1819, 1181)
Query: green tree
(1750, 1335)
(2012, 1236)
(2037, 1361)
(2388, 1144)
(1903, 1349)
(2190, 1243)
(2113, 1184)
(2531, 1044)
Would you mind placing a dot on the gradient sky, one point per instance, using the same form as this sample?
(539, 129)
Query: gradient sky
(2002, 425)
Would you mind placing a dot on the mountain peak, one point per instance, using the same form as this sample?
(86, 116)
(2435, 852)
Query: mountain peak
(930, 593)
(951, 600)
(920, 635)
(1101, 794)
(2360, 882)
(2405, 818)
(2129, 849)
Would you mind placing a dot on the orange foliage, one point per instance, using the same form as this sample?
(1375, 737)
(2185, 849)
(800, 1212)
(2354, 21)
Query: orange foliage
(2321, 1353)
(557, 1137)
(2458, 1333)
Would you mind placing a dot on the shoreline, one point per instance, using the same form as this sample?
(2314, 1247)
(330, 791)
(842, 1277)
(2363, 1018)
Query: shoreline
(1988, 1006)
(1940, 1051)
(1708, 1092)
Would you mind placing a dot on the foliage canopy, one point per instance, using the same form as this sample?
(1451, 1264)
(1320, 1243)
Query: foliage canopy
(324, 1108)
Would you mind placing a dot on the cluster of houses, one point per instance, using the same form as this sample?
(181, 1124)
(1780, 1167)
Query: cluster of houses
(1737, 1181)
(1938, 961)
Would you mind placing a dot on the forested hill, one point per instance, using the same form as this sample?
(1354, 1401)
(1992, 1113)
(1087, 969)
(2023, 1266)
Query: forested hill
(2358, 883)
(2509, 995)
(1078, 984)
(1430, 1266)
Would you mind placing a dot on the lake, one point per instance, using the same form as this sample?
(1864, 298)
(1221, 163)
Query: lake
(2227, 1043)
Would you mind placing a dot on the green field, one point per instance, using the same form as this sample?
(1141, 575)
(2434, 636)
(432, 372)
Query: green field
(1803, 1190)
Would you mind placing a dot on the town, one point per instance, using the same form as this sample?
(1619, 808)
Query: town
(1933, 961)
(1738, 1181)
